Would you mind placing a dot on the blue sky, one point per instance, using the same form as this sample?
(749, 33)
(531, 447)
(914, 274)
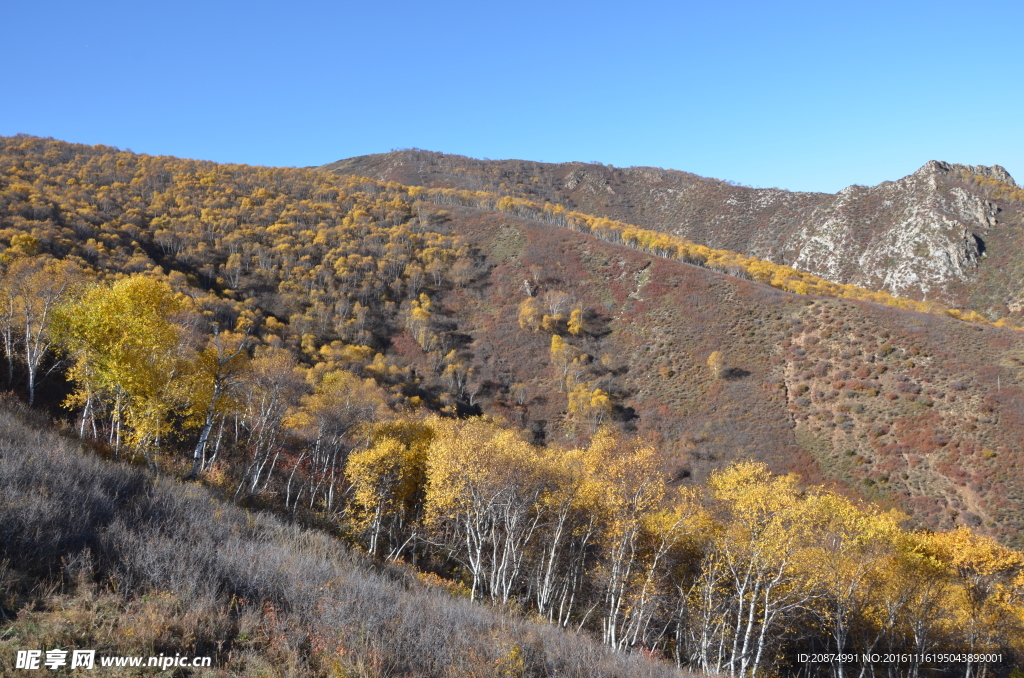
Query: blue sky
(804, 96)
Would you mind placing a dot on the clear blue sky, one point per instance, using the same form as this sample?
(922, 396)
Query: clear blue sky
(805, 96)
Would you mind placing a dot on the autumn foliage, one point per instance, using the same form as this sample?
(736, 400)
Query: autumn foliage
(237, 325)
(661, 244)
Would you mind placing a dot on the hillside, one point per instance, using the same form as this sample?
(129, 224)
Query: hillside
(919, 411)
(151, 566)
(947, 232)
(913, 409)
(320, 346)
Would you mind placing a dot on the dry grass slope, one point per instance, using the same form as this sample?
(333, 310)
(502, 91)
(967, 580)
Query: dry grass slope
(99, 556)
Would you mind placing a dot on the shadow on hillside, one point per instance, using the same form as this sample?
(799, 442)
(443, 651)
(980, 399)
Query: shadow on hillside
(626, 416)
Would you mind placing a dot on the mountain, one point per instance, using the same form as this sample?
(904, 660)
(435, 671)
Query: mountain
(920, 411)
(952, 233)
(321, 346)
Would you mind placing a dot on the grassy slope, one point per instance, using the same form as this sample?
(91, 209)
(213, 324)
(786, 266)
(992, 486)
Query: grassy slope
(96, 555)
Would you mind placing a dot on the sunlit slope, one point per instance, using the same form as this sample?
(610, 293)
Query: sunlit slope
(452, 303)
(923, 411)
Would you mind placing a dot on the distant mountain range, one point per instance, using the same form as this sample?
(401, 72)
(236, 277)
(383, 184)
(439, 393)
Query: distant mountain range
(951, 233)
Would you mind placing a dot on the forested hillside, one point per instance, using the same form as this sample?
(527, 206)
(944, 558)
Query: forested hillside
(947, 232)
(323, 346)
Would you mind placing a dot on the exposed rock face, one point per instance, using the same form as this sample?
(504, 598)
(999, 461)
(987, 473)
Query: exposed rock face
(911, 237)
(936, 234)
(921, 234)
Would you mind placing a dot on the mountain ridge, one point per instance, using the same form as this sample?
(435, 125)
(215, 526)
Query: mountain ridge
(948, 231)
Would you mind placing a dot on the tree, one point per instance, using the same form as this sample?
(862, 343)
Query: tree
(575, 324)
(483, 492)
(716, 361)
(8, 324)
(418, 323)
(340, 402)
(754, 574)
(22, 245)
(572, 522)
(462, 271)
(852, 552)
(520, 392)
(220, 371)
(388, 479)
(631, 487)
(917, 607)
(568, 361)
(989, 577)
(274, 385)
(557, 302)
(129, 354)
(31, 289)
(530, 315)
(592, 406)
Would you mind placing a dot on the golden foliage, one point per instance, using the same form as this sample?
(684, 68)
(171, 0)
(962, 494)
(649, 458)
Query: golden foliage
(664, 245)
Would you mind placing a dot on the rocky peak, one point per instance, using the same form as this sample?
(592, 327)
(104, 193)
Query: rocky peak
(996, 172)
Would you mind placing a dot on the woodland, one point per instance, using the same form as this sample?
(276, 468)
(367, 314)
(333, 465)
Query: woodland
(264, 370)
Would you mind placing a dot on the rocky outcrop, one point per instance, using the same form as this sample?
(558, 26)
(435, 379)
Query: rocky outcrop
(908, 237)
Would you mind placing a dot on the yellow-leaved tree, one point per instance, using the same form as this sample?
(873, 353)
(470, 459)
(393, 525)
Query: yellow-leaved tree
(632, 488)
(988, 578)
(575, 324)
(568, 362)
(571, 526)
(31, 291)
(340, 401)
(483, 497)
(716, 361)
(129, 357)
(756, 571)
(591, 406)
(852, 558)
(530, 315)
(388, 477)
(221, 369)
(418, 323)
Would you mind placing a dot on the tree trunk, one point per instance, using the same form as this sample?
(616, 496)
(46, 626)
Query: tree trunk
(198, 456)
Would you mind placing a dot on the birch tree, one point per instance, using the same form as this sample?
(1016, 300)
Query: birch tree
(128, 352)
(756, 564)
(31, 289)
(388, 478)
(483, 496)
